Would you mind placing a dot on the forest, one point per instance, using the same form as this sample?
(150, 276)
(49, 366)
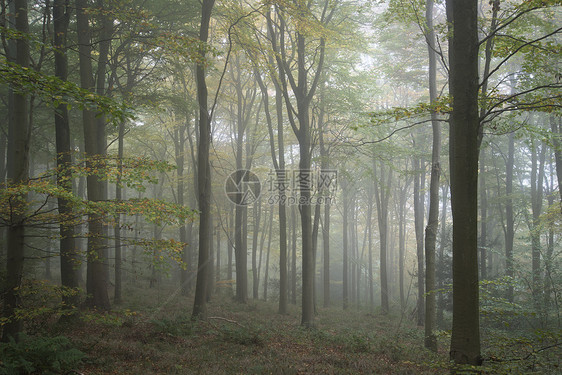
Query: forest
(280, 187)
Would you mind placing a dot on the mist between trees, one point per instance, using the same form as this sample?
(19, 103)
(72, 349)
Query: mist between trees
(400, 158)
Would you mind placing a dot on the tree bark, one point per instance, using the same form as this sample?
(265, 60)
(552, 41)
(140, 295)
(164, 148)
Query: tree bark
(537, 178)
(69, 261)
(203, 168)
(463, 156)
(382, 189)
(419, 185)
(266, 275)
(483, 223)
(18, 169)
(433, 216)
(345, 245)
(255, 231)
(555, 127)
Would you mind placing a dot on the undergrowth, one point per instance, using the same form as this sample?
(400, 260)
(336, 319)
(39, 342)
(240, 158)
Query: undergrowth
(159, 337)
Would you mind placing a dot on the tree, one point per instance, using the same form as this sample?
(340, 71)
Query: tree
(463, 159)
(433, 216)
(279, 166)
(303, 87)
(96, 284)
(419, 213)
(68, 252)
(277, 159)
(18, 168)
(382, 191)
(203, 170)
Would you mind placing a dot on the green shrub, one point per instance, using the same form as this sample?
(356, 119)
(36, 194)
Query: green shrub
(181, 326)
(243, 336)
(41, 355)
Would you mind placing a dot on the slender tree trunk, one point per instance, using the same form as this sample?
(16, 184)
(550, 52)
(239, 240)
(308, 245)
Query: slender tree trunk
(419, 185)
(211, 268)
(96, 283)
(266, 276)
(240, 239)
(441, 260)
(230, 248)
(382, 200)
(266, 229)
(104, 43)
(463, 155)
(345, 245)
(308, 268)
(402, 243)
(370, 246)
(203, 174)
(279, 165)
(218, 257)
(69, 261)
(509, 216)
(324, 166)
(353, 257)
(555, 127)
(550, 247)
(117, 297)
(179, 150)
(18, 168)
(433, 216)
(294, 256)
(255, 231)
(483, 223)
(537, 178)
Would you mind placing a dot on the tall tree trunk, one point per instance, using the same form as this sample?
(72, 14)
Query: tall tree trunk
(547, 291)
(345, 245)
(229, 247)
(382, 189)
(555, 127)
(96, 283)
(419, 185)
(279, 165)
(402, 242)
(100, 76)
(211, 269)
(266, 275)
(255, 231)
(441, 261)
(303, 90)
(68, 255)
(266, 229)
(509, 216)
(483, 222)
(218, 256)
(537, 178)
(18, 167)
(370, 246)
(353, 248)
(308, 266)
(324, 166)
(204, 173)
(294, 255)
(463, 155)
(433, 216)
(117, 296)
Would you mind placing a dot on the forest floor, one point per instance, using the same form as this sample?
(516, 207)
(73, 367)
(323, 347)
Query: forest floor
(151, 333)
